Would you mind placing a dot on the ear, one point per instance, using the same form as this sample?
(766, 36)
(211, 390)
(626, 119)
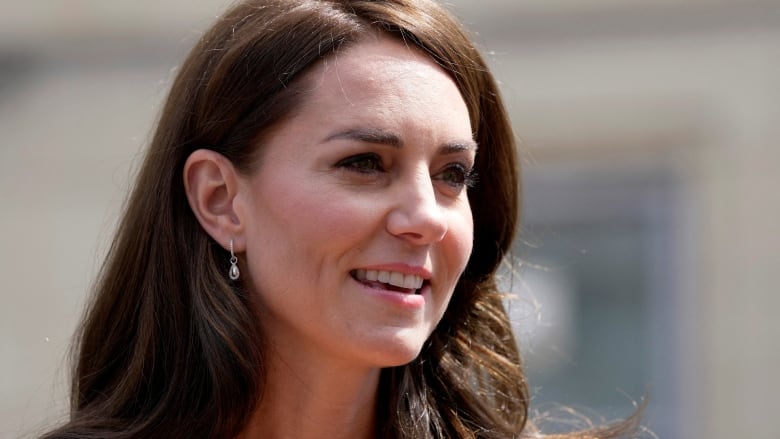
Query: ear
(212, 185)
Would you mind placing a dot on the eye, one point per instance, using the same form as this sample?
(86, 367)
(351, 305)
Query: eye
(367, 163)
(457, 175)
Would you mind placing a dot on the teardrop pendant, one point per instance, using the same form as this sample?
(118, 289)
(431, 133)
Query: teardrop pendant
(234, 272)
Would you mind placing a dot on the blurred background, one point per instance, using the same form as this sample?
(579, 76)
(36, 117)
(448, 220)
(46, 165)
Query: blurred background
(651, 215)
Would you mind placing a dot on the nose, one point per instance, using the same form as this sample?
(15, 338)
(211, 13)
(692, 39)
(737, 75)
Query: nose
(417, 216)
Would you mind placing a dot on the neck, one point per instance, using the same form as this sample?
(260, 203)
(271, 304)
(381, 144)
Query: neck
(315, 400)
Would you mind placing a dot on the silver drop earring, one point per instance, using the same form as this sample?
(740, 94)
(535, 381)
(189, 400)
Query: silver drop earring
(233, 273)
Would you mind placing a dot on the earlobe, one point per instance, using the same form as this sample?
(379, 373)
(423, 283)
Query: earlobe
(211, 185)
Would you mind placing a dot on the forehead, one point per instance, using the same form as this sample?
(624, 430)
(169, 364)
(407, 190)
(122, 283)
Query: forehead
(383, 58)
(383, 74)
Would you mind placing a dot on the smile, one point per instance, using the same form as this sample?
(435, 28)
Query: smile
(392, 280)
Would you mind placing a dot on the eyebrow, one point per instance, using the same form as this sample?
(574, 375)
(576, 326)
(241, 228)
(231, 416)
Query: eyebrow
(382, 137)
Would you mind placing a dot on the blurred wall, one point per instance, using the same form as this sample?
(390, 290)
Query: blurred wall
(684, 90)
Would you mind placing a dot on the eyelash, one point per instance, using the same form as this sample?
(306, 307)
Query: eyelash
(465, 176)
(352, 163)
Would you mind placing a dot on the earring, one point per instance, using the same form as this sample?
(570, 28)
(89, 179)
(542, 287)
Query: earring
(233, 273)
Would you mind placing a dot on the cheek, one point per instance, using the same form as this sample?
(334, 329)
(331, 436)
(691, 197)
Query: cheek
(310, 226)
(330, 220)
(462, 231)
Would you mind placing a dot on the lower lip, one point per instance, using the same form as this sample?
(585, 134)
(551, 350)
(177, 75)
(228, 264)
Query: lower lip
(403, 300)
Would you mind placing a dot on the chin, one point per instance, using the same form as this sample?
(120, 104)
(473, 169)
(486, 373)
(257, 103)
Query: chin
(397, 352)
(401, 360)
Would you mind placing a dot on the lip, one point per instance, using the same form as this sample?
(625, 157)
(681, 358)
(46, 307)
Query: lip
(400, 299)
(397, 298)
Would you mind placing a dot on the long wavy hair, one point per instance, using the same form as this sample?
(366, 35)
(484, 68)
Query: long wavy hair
(168, 348)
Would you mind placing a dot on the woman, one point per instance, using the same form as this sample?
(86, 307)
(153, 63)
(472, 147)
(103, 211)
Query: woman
(311, 245)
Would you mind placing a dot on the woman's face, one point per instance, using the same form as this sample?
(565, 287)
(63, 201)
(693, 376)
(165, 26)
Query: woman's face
(358, 222)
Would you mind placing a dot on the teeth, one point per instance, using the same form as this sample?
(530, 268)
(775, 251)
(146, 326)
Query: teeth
(397, 279)
(400, 280)
(412, 282)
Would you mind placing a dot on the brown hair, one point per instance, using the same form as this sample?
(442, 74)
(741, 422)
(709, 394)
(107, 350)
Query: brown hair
(169, 348)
